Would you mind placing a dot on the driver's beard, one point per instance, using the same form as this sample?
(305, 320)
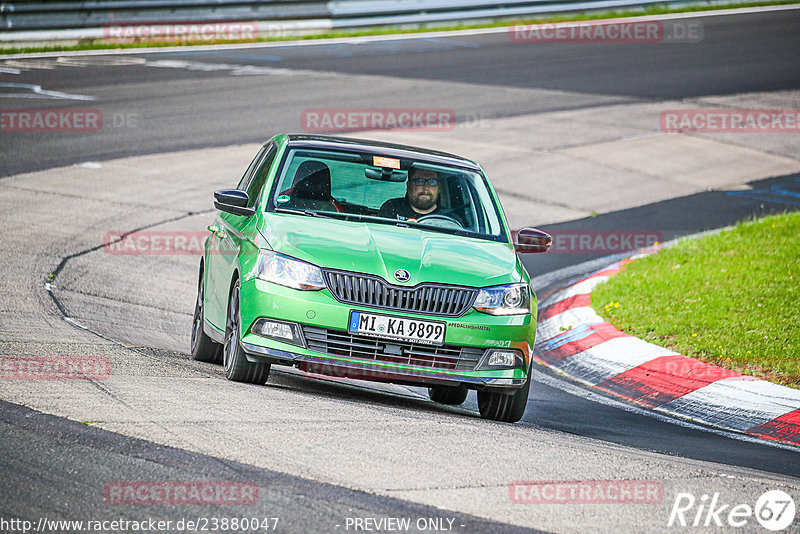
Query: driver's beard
(423, 203)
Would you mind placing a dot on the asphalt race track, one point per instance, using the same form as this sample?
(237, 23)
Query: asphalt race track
(179, 106)
(323, 452)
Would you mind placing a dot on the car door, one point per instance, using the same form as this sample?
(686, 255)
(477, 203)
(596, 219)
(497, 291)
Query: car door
(216, 297)
(231, 230)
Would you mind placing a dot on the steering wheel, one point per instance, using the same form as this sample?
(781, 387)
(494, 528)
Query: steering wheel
(448, 211)
(440, 221)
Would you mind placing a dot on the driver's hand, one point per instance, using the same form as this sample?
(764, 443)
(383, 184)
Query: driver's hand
(411, 220)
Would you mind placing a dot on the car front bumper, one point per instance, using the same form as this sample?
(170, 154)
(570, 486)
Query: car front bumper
(475, 331)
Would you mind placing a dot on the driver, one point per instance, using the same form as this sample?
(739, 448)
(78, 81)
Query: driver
(422, 197)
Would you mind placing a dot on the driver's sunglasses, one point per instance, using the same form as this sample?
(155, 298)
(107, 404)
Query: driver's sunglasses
(431, 182)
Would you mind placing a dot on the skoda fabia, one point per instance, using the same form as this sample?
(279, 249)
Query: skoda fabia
(372, 261)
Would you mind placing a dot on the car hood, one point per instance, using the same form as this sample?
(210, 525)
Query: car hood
(381, 249)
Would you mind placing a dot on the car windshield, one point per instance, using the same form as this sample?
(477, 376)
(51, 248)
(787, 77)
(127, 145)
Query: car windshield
(374, 188)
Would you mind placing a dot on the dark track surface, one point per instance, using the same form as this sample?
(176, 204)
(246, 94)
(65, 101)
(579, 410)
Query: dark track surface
(653, 71)
(554, 409)
(178, 108)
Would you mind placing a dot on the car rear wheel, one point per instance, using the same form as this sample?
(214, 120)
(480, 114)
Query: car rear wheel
(203, 348)
(504, 407)
(237, 367)
(448, 395)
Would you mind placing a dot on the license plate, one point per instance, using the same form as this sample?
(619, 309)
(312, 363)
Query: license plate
(399, 328)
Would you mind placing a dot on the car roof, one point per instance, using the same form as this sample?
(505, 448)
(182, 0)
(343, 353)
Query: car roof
(379, 147)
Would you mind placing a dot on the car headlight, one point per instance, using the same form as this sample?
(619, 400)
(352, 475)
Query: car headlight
(289, 272)
(513, 299)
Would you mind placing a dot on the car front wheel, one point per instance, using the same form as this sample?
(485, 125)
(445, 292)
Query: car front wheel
(504, 407)
(203, 348)
(237, 367)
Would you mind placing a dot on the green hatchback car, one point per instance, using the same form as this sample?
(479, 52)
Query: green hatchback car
(372, 261)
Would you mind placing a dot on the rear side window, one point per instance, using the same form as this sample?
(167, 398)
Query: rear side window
(260, 176)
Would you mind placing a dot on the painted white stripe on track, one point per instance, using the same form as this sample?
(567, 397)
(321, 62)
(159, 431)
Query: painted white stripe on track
(37, 91)
(581, 288)
(580, 391)
(736, 403)
(610, 358)
(572, 318)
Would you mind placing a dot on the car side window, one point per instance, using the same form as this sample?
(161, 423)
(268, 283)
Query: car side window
(260, 176)
(248, 174)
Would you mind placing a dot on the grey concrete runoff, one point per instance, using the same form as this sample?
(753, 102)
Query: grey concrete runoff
(278, 503)
(135, 310)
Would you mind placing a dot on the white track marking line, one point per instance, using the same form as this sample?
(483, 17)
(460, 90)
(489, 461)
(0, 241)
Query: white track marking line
(566, 320)
(736, 402)
(611, 358)
(583, 287)
(36, 91)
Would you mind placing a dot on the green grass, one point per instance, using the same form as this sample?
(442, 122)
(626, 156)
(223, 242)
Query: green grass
(99, 44)
(731, 299)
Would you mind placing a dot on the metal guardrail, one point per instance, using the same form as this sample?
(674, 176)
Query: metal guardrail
(362, 8)
(22, 16)
(57, 20)
(345, 16)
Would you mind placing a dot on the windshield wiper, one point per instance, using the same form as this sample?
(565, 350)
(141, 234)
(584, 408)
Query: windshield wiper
(336, 215)
(309, 213)
(374, 219)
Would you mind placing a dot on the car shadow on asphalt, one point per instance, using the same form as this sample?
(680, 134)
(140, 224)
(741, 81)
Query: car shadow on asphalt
(351, 390)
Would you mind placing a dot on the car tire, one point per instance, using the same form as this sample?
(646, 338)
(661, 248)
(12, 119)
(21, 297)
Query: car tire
(237, 367)
(202, 347)
(504, 407)
(452, 396)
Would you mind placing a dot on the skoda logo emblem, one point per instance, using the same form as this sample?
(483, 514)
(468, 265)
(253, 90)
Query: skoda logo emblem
(402, 275)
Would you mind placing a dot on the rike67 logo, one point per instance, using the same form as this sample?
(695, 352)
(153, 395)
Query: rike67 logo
(774, 510)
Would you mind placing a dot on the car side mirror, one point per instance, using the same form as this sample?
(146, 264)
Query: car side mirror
(532, 240)
(233, 201)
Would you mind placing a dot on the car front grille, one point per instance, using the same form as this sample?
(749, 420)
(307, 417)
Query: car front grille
(428, 299)
(343, 343)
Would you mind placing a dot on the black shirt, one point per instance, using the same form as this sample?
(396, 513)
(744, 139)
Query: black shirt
(400, 208)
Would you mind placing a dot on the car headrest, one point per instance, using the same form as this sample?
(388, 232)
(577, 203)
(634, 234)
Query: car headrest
(312, 181)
